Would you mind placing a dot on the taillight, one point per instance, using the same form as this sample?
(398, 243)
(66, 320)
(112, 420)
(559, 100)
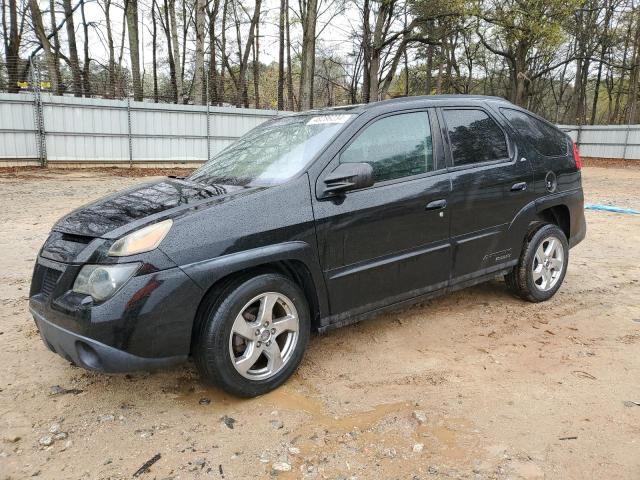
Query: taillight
(576, 156)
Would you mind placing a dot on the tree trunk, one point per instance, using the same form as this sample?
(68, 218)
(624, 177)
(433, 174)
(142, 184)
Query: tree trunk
(366, 51)
(242, 96)
(281, 47)
(223, 50)
(111, 67)
(307, 69)
(86, 64)
(166, 26)
(198, 78)
(56, 40)
(617, 116)
(154, 46)
(131, 10)
(176, 51)
(74, 64)
(38, 26)
(428, 85)
(256, 67)
(213, 70)
(290, 99)
(633, 115)
(12, 40)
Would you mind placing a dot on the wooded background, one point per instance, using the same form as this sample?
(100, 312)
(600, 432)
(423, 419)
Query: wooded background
(572, 61)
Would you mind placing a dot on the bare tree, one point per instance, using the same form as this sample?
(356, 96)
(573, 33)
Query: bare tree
(290, 99)
(86, 68)
(154, 47)
(12, 36)
(281, 48)
(73, 61)
(41, 35)
(309, 17)
(176, 52)
(131, 12)
(56, 40)
(198, 75)
(212, 13)
(111, 63)
(256, 67)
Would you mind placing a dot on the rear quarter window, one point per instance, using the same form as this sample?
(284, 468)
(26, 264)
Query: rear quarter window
(546, 139)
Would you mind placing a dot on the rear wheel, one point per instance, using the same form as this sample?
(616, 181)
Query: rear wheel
(542, 265)
(253, 336)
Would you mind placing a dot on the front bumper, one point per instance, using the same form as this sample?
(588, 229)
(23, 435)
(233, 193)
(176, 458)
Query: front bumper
(147, 324)
(93, 355)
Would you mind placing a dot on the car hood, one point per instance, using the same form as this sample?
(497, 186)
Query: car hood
(132, 208)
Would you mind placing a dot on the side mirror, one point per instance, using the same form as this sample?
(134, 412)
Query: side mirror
(349, 176)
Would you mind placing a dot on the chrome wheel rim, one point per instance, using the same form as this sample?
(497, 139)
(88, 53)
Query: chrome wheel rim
(264, 336)
(548, 264)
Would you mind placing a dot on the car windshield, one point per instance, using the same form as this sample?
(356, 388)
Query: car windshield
(271, 153)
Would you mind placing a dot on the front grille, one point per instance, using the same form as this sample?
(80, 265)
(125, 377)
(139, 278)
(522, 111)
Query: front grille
(49, 281)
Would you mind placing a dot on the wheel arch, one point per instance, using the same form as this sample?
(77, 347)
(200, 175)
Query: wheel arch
(294, 260)
(558, 215)
(549, 210)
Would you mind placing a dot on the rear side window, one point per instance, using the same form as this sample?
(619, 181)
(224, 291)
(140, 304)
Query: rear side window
(544, 138)
(396, 146)
(474, 136)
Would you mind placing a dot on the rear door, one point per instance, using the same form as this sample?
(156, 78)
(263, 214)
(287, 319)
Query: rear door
(491, 184)
(388, 242)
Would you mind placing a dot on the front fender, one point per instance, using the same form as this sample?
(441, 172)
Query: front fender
(207, 272)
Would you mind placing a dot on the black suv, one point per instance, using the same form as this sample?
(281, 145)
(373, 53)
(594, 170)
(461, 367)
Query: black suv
(309, 222)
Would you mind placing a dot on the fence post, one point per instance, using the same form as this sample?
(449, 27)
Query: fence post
(208, 135)
(626, 142)
(578, 136)
(129, 138)
(208, 121)
(38, 114)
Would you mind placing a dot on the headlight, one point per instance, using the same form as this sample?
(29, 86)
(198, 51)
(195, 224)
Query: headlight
(102, 281)
(143, 240)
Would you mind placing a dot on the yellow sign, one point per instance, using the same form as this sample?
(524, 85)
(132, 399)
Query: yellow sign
(42, 84)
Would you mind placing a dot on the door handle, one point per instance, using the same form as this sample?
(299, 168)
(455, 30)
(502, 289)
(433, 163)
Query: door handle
(520, 186)
(436, 205)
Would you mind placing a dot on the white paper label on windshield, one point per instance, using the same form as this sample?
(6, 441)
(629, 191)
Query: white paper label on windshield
(324, 119)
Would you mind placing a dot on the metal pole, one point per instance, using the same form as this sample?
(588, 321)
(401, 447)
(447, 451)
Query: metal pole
(208, 121)
(129, 137)
(38, 114)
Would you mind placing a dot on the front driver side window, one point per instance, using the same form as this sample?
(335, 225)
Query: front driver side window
(396, 146)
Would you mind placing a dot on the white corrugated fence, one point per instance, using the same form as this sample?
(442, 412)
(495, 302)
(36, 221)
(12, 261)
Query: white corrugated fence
(99, 132)
(46, 129)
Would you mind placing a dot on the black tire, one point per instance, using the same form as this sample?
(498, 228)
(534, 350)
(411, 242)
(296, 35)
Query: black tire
(211, 344)
(520, 280)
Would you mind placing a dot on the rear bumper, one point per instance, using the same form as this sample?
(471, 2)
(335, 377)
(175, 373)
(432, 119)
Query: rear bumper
(93, 355)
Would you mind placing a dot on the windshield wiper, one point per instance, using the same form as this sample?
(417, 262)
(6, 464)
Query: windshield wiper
(211, 188)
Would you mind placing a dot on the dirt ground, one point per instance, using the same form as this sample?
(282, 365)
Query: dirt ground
(473, 385)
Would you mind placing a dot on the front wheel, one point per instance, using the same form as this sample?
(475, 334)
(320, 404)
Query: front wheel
(253, 336)
(542, 265)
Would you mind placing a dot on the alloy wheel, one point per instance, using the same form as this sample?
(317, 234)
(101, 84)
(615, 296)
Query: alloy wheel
(264, 336)
(548, 263)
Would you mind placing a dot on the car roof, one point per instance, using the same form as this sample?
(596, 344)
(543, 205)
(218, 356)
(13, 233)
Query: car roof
(420, 101)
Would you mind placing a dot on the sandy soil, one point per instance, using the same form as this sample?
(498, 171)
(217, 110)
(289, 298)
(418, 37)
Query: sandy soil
(473, 385)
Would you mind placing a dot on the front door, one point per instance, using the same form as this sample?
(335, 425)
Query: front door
(388, 242)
